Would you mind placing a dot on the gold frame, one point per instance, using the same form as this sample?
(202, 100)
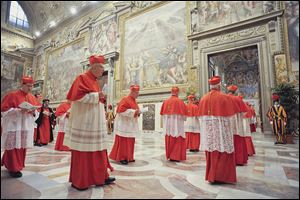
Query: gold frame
(48, 52)
(122, 20)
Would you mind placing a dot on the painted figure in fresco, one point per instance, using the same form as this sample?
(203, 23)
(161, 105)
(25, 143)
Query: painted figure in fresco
(111, 33)
(172, 66)
(278, 118)
(134, 71)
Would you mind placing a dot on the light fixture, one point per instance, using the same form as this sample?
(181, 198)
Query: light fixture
(73, 10)
(52, 23)
(93, 1)
(37, 33)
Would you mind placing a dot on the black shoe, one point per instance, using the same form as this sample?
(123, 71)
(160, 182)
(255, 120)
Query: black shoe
(132, 161)
(15, 174)
(109, 180)
(174, 160)
(276, 142)
(80, 189)
(124, 162)
(191, 150)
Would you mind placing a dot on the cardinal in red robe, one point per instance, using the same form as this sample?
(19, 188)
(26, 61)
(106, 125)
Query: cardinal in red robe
(216, 111)
(241, 155)
(248, 138)
(17, 127)
(174, 113)
(126, 127)
(86, 131)
(62, 113)
(192, 126)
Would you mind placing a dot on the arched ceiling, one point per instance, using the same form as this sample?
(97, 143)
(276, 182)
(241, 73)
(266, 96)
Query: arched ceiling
(41, 13)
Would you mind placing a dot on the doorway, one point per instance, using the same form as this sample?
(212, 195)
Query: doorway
(239, 67)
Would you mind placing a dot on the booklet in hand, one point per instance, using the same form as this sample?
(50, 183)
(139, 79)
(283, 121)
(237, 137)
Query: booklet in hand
(28, 106)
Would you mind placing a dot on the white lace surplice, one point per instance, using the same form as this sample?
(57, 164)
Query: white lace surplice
(216, 133)
(173, 125)
(17, 129)
(86, 129)
(126, 125)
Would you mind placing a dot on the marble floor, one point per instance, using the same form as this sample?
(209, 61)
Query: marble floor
(272, 173)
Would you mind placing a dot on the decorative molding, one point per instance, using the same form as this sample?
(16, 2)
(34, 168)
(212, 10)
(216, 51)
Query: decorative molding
(16, 32)
(26, 51)
(140, 5)
(234, 36)
(280, 34)
(238, 25)
(13, 55)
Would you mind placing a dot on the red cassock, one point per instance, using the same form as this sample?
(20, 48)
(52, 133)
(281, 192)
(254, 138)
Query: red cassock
(248, 138)
(123, 148)
(216, 111)
(250, 146)
(60, 113)
(14, 160)
(240, 148)
(192, 127)
(174, 113)
(87, 168)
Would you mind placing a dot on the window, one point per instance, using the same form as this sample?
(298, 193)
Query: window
(17, 16)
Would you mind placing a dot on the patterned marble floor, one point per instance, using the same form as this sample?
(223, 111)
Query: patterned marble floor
(272, 173)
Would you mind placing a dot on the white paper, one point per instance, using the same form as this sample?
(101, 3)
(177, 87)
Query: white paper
(28, 106)
(145, 109)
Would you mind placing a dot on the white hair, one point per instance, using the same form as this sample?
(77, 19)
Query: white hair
(215, 86)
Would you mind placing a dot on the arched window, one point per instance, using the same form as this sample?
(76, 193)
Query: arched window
(17, 16)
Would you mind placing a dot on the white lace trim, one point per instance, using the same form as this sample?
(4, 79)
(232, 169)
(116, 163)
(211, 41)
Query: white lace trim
(17, 129)
(216, 133)
(173, 125)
